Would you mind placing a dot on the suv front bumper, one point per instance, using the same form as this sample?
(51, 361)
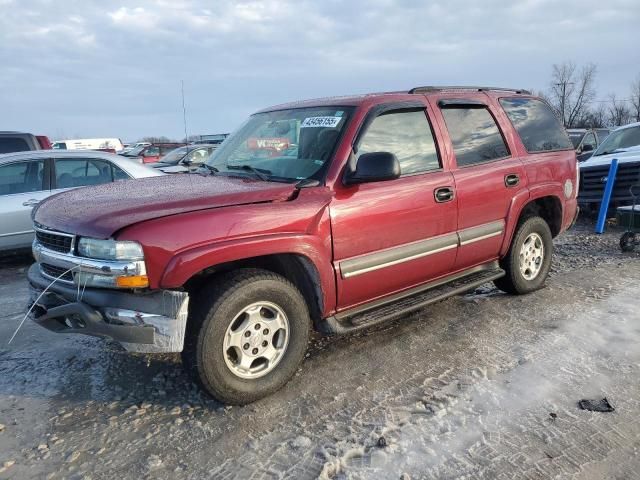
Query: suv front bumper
(148, 322)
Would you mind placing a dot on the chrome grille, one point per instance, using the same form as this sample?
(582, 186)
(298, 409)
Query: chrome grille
(55, 272)
(58, 242)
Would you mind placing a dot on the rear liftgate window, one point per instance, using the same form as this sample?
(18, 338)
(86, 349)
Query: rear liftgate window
(474, 134)
(536, 124)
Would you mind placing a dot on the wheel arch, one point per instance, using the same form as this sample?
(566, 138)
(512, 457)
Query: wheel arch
(548, 207)
(297, 268)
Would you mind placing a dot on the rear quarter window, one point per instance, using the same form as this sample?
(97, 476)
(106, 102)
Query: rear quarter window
(538, 127)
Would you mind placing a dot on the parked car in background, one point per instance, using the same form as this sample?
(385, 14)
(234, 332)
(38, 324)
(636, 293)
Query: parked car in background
(151, 153)
(624, 144)
(130, 146)
(27, 178)
(359, 210)
(89, 144)
(184, 159)
(21, 142)
(212, 139)
(585, 141)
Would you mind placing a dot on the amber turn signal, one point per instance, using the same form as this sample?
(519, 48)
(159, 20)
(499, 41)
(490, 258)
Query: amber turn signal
(134, 281)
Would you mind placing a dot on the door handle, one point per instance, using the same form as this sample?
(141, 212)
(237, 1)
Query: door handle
(443, 194)
(511, 180)
(32, 202)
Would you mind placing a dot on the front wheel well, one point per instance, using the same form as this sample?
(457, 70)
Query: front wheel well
(298, 269)
(549, 208)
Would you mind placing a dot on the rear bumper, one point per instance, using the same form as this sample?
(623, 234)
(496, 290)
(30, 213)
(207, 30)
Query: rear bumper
(149, 322)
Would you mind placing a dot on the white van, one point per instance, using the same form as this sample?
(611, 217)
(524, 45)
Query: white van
(89, 144)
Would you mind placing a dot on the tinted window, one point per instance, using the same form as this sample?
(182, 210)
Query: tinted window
(536, 124)
(9, 144)
(474, 134)
(78, 172)
(21, 177)
(405, 134)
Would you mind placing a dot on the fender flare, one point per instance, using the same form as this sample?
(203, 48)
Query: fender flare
(519, 203)
(317, 251)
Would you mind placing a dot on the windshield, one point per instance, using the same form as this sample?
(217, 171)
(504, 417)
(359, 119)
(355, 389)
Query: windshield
(575, 138)
(174, 156)
(623, 138)
(285, 145)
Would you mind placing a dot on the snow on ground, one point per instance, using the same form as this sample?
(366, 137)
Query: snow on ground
(481, 386)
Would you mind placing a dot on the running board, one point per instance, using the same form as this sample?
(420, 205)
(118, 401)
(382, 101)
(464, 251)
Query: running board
(406, 302)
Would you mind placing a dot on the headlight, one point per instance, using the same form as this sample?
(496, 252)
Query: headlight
(110, 249)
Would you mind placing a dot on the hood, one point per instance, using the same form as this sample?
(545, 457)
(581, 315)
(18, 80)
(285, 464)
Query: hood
(102, 210)
(627, 154)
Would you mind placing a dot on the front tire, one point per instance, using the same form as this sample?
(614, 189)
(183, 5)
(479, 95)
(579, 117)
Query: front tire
(528, 261)
(246, 336)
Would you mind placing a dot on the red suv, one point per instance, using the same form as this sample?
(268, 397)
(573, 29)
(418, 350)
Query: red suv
(335, 214)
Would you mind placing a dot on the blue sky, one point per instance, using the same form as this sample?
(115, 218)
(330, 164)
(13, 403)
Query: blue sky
(113, 68)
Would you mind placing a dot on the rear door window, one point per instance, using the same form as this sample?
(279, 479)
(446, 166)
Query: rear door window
(537, 125)
(475, 135)
(77, 172)
(21, 177)
(13, 144)
(406, 134)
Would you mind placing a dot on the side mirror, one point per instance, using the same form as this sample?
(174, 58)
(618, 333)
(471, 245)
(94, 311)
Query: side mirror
(374, 167)
(587, 148)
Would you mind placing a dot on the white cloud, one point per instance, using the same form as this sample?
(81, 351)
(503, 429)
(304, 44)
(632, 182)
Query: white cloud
(89, 66)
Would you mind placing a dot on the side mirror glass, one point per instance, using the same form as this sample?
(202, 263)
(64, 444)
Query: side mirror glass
(587, 148)
(374, 167)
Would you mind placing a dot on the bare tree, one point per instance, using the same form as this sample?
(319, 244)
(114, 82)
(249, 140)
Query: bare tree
(635, 99)
(619, 113)
(572, 91)
(161, 139)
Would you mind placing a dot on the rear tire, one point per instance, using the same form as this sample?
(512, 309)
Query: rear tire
(247, 334)
(528, 260)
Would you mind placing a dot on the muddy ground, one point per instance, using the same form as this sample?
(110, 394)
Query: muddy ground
(481, 386)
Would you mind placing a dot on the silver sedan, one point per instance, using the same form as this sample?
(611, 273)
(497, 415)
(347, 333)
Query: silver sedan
(27, 178)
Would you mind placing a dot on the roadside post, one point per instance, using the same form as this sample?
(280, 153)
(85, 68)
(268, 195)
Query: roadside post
(606, 196)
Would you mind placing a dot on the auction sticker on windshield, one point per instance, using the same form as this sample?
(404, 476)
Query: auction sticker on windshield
(328, 122)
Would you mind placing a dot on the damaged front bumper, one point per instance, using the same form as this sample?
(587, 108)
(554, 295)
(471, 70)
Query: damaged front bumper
(147, 322)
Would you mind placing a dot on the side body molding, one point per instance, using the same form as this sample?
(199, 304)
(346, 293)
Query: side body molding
(405, 253)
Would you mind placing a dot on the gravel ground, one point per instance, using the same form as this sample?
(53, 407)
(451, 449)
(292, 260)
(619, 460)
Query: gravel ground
(480, 386)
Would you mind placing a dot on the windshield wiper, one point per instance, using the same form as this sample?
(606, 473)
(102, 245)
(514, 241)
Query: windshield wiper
(261, 173)
(212, 170)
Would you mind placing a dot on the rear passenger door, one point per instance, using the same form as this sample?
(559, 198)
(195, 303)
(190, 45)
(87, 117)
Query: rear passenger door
(23, 184)
(487, 176)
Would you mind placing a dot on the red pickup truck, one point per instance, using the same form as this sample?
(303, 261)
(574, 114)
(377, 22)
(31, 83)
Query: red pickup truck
(334, 214)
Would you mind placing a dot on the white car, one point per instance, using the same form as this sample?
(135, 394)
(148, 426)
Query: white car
(27, 178)
(624, 144)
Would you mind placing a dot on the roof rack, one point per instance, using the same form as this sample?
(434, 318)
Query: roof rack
(429, 89)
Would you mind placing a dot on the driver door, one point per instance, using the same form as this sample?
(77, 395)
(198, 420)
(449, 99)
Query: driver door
(392, 235)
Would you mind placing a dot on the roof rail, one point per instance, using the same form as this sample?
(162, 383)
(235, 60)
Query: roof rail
(429, 89)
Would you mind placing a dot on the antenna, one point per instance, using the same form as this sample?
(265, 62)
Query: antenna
(184, 115)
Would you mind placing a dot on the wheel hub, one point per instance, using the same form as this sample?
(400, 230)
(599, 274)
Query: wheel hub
(531, 256)
(256, 340)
